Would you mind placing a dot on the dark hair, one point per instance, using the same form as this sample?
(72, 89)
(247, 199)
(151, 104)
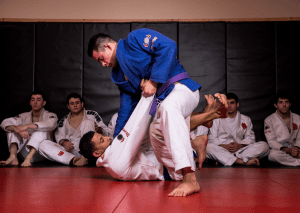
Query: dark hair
(97, 43)
(86, 145)
(74, 95)
(232, 96)
(282, 95)
(38, 93)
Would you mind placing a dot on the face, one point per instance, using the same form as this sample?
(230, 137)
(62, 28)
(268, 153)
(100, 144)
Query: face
(108, 57)
(101, 144)
(283, 105)
(232, 106)
(37, 102)
(75, 105)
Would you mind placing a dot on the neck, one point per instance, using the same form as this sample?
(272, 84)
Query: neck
(232, 115)
(37, 113)
(284, 115)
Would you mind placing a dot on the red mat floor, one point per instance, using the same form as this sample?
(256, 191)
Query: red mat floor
(90, 189)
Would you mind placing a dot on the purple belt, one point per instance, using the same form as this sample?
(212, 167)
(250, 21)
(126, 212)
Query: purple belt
(165, 86)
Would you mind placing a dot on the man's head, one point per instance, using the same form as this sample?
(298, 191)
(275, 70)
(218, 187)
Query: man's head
(102, 48)
(93, 145)
(75, 103)
(37, 101)
(282, 102)
(233, 103)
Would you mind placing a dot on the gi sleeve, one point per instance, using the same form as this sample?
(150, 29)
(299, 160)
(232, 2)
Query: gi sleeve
(47, 125)
(249, 136)
(270, 135)
(14, 121)
(213, 133)
(127, 105)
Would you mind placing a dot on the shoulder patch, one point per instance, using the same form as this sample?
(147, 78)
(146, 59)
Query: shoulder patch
(95, 114)
(61, 122)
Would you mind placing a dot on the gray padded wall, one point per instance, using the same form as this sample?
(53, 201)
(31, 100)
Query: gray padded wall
(202, 54)
(17, 68)
(251, 69)
(288, 65)
(59, 63)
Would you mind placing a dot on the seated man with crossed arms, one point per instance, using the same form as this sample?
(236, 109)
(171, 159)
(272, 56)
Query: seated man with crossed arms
(232, 140)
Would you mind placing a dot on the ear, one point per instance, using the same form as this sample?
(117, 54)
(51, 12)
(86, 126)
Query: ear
(44, 103)
(96, 154)
(82, 104)
(237, 104)
(68, 106)
(275, 105)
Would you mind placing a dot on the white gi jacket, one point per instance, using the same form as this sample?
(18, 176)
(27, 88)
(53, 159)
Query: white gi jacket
(66, 132)
(241, 133)
(277, 132)
(47, 123)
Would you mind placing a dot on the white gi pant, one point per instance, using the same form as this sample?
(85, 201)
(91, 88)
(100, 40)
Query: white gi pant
(170, 130)
(279, 156)
(130, 156)
(254, 150)
(24, 144)
(56, 152)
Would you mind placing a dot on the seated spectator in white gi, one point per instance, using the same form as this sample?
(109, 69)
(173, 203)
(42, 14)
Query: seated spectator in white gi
(232, 140)
(69, 132)
(26, 131)
(282, 132)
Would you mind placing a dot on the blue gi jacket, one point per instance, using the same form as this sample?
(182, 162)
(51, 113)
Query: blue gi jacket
(144, 54)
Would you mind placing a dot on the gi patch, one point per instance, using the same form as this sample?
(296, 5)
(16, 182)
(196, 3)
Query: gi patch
(95, 114)
(244, 126)
(295, 126)
(120, 138)
(52, 116)
(60, 153)
(147, 40)
(267, 127)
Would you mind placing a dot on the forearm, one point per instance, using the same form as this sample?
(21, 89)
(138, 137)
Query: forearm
(10, 128)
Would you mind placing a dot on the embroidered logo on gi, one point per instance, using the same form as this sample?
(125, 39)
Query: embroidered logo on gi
(52, 117)
(146, 40)
(295, 126)
(60, 153)
(244, 126)
(153, 40)
(127, 134)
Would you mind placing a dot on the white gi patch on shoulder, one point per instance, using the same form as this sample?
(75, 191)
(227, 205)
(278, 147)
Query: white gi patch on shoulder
(153, 40)
(147, 40)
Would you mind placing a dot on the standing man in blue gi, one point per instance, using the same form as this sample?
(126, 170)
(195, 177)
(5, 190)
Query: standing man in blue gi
(141, 64)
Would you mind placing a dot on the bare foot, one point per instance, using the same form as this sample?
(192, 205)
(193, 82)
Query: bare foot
(188, 186)
(253, 162)
(11, 161)
(199, 145)
(26, 163)
(80, 161)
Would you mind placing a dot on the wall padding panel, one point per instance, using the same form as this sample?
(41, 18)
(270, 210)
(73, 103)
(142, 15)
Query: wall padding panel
(251, 70)
(202, 54)
(288, 65)
(17, 66)
(99, 92)
(59, 63)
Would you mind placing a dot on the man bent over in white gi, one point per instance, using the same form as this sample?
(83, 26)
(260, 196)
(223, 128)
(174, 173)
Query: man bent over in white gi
(232, 140)
(282, 133)
(26, 131)
(69, 132)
